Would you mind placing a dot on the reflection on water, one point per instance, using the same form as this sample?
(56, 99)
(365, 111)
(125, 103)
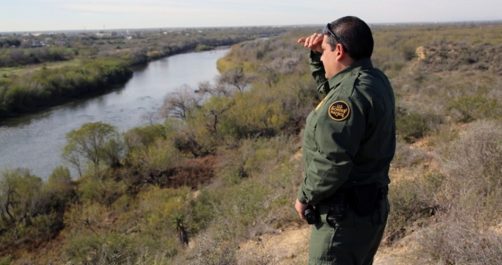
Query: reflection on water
(35, 141)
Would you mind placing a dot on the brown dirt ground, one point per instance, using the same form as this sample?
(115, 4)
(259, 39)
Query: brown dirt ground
(290, 247)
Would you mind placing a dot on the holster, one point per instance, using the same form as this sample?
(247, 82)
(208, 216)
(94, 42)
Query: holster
(363, 200)
(337, 209)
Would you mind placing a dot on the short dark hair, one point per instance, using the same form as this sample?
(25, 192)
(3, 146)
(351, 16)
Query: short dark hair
(355, 36)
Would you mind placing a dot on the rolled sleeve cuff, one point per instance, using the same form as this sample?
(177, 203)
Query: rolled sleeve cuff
(315, 57)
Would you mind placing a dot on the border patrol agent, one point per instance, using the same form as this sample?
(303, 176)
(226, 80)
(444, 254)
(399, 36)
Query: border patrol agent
(349, 142)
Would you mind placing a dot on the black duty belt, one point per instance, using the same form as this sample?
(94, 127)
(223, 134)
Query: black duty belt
(363, 199)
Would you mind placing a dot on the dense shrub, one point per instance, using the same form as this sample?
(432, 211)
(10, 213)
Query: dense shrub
(460, 241)
(50, 86)
(411, 126)
(470, 108)
(94, 144)
(471, 197)
(104, 191)
(31, 211)
(407, 156)
(151, 149)
(474, 170)
(6, 260)
(136, 230)
(412, 202)
(101, 249)
(17, 57)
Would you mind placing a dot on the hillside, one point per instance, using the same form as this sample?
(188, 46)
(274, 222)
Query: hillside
(216, 182)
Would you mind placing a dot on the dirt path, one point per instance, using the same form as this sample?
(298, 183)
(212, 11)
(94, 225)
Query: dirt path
(287, 247)
(290, 247)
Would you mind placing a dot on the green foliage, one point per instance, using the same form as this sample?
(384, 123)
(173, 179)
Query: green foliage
(96, 144)
(155, 158)
(147, 232)
(230, 211)
(411, 126)
(470, 108)
(109, 248)
(82, 64)
(264, 108)
(207, 124)
(102, 190)
(242, 205)
(6, 260)
(19, 191)
(161, 207)
(60, 183)
(250, 159)
(16, 57)
(49, 86)
(141, 137)
(27, 214)
(201, 212)
(151, 150)
(257, 113)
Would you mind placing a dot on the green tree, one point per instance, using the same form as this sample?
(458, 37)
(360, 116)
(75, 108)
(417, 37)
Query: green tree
(59, 189)
(19, 191)
(98, 144)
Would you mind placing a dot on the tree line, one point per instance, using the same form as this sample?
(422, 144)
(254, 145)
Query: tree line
(94, 64)
(51, 86)
(18, 57)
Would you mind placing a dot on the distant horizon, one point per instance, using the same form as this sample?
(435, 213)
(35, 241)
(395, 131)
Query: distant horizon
(460, 22)
(92, 15)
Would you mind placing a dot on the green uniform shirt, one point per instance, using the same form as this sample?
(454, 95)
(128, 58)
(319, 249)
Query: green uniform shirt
(349, 138)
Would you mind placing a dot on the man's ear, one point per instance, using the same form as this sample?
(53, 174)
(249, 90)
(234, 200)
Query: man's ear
(340, 51)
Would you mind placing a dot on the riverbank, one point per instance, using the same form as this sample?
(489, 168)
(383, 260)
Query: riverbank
(99, 64)
(35, 140)
(48, 87)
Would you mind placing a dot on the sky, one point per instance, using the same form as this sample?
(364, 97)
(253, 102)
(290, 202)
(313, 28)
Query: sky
(43, 15)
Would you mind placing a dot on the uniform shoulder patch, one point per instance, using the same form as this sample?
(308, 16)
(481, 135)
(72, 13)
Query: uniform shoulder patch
(339, 110)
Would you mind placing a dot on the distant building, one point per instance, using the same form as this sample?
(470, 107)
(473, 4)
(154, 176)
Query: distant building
(37, 44)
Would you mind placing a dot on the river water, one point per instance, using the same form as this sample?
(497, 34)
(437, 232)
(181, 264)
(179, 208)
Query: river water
(36, 141)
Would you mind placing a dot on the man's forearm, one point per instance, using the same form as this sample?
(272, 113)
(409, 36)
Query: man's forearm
(318, 73)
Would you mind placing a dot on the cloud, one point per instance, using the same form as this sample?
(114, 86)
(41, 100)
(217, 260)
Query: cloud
(156, 6)
(114, 8)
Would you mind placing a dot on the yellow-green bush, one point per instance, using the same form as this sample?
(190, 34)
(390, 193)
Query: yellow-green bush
(470, 108)
(31, 211)
(6, 260)
(102, 190)
(411, 126)
(100, 249)
(154, 158)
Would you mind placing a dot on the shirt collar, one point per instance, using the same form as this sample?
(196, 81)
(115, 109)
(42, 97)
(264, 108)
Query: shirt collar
(352, 69)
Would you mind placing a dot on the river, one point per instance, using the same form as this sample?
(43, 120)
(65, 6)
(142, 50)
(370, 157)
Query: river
(36, 141)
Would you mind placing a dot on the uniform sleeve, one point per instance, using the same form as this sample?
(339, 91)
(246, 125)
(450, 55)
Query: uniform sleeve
(338, 142)
(317, 69)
